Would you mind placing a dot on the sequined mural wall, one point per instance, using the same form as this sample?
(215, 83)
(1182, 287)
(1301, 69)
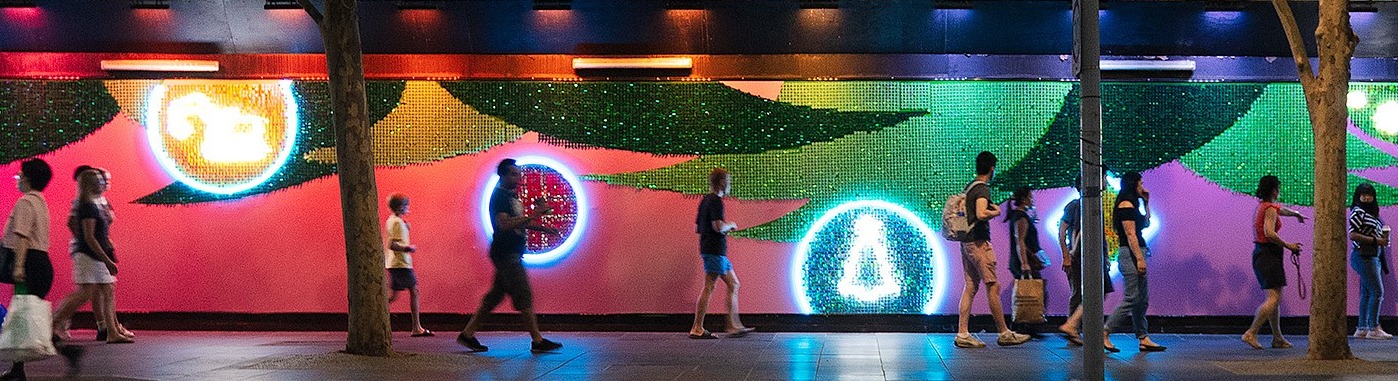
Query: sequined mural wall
(837, 186)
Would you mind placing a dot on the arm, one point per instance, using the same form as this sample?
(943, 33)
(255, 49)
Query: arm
(1063, 246)
(1367, 240)
(723, 227)
(21, 250)
(1292, 213)
(1269, 228)
(504, 221)
(1022, 228)
(90, 237)
(985, 210)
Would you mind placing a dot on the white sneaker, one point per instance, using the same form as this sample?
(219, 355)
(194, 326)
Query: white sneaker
(1009, 338)
(1379, 334)
(1360, 333)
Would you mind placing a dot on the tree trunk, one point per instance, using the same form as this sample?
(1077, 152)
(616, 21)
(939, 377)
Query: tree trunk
(369, 332)
(1325, 99)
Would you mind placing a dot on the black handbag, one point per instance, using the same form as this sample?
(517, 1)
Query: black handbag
(7, 265)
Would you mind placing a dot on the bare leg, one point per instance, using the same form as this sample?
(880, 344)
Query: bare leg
(417, 321)
(992, 294)
(963, 317)
(1265, 313)
(702, 306)
(734, 323)
(531, 321)
(392, 296)
(114, 329)
(70, 305)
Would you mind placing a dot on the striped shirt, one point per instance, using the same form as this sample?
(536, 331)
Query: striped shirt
(1363, 223)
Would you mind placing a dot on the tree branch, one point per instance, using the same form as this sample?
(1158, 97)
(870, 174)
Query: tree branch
(313, 12)
(1293, 36)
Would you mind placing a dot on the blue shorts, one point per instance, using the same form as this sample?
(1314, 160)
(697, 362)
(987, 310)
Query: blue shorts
(717, 264)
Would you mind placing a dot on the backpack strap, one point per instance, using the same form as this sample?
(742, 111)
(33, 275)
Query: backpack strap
(972, 185)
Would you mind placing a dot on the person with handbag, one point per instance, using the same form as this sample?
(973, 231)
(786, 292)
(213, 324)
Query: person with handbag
(1267, 261)
(1369, 236)
(1070, 244)
(1027, 259)
(26, 265)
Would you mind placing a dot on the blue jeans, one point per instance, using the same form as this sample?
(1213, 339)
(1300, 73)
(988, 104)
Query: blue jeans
(1370, 288)
(1136, 298)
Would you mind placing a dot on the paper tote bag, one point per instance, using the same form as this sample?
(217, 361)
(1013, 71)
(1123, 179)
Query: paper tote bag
(25, 334)
(1029, 301)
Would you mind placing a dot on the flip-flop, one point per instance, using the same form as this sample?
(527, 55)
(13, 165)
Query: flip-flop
(424, 333)
(706, 336)
(740, 333)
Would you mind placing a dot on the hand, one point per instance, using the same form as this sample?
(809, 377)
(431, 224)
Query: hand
(1067, 263)
(1381, 241)
(411, 249)
(1141, 269)
(18, 274)
(1295, 247)
(541, 206)
(1024, 267)
(549, 230)
(111, 268)
(1300, 218)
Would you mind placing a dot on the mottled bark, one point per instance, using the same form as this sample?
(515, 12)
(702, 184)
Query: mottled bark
(369, 332)
(1325, 98)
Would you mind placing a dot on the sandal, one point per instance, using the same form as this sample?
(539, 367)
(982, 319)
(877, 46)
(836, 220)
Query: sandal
(706, 336)
(741, 332)
(425, 333)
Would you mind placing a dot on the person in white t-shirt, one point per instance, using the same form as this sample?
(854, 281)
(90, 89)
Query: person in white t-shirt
(399, 258)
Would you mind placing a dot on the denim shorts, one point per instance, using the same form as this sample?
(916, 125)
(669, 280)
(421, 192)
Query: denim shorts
(717, 264)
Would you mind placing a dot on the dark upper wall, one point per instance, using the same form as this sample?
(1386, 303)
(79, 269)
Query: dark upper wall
(644, 26)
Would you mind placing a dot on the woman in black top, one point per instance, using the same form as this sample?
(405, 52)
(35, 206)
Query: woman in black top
(1128, 221)
(1025, 250)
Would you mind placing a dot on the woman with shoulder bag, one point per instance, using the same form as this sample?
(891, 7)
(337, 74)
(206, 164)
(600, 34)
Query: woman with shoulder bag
(1369, 236)
(1027, 257)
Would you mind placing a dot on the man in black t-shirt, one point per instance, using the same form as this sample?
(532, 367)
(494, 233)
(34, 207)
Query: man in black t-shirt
(978, 260)
(713, 248)
(507, 243)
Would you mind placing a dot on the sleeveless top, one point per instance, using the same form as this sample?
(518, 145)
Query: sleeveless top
(1258, 223)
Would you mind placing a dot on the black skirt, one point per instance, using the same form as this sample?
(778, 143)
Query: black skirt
(1268, 266)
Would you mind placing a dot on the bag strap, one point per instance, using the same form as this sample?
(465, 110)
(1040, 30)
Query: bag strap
(972, 185)
(1300, 280)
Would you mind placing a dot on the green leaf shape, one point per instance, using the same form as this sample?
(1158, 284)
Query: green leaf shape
(316, 130)
(674, 118)
(916, 164)
(1144, 125)
(1275, 138)
(38, 117)
(1372, 96)
(429, 125)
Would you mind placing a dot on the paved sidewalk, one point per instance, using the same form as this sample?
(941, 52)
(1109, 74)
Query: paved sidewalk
(672, 356)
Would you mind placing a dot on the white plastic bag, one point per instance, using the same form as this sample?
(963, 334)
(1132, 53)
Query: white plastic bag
(25, 335)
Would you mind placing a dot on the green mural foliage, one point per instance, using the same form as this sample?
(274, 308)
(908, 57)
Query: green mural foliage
(38, 117)
(664, 118)
(1144, 125)
(1274, 138)
(316, 130)
(916, 164)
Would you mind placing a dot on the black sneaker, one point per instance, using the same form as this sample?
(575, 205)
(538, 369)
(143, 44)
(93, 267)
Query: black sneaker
(470, 343)
(544, 346)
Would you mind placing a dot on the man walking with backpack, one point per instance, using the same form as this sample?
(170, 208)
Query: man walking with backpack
(978, 259)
